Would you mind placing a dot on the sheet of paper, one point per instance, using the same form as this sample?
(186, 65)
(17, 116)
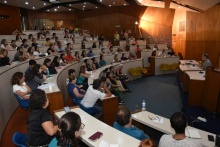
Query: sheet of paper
(103, 143)
(82, 117)
(114, 145)
(159, 120)
(193, 133)
(45, 86)
(193, 66)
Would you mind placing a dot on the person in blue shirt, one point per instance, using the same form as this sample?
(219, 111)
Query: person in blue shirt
(69, 131)
(123, 124)
(90, 53)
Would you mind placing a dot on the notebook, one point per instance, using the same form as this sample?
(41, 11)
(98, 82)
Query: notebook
(192, 133)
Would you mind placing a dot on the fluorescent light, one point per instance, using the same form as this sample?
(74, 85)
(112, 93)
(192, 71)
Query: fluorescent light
(84, 3)
(26, 3)
(33, 7)
(58, 7)
(5, 2)
(45, 4)
(69, 4)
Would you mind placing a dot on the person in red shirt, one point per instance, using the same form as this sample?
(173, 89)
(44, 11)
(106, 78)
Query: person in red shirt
(69, 57)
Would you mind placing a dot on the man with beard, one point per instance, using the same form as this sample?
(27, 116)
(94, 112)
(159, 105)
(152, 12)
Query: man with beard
(19, 56)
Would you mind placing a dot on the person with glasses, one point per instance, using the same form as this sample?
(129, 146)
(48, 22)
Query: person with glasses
(69, 131)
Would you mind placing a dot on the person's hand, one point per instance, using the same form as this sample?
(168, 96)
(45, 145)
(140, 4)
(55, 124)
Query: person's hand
(44, 77)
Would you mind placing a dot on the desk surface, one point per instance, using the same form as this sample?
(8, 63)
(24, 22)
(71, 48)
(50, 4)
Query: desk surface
(189, 68)
(196, 75)
(143, 117)
(188, 62)
(111, 135)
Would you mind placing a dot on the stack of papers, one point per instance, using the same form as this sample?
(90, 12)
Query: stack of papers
(45, 86)
(192, 133)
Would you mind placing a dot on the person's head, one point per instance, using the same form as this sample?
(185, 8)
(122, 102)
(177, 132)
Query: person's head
(32, 62)
(38, 99)
(17, 78)
(71, 72)
(30, 50)
(178, 122)
(18, 36)
(103, 79)
(123, 116)
(112, 68)
(54, 34)
(3, 52)
(82, 69)
(24, 41)
(59, 44)
(36, 48)
(30, 36)
(205, 56)
(116, 56)
(13, 42)
(83, 54)
(68, 45)
(72, 78)
(153, 53)
(163, 50)
(19, 49)
(34, 40)
(86, 61)
(47, 62)
(4, 41)
(56, 59)
(76, 54)
(56, 38)
(108, 75)
(62, 56)
(147, 143)
(123, 55)
(52, 46)
(69, 129)
(36, 69)
(97, 84)
(48, 39)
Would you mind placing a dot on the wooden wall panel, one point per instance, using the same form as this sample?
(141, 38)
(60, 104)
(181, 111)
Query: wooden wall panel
(9, 25)
(203, 34)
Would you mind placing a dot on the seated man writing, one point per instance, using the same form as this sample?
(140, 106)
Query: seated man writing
(94, 93)
(123, 124)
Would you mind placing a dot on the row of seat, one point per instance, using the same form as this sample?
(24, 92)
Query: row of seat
(167, 67)
(137, 72)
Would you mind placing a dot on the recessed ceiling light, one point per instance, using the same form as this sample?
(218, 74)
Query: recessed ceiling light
(44, 24)
(5, 2)
(179, 7)
(55, 9)
(110, 5)
(84, 3)
(48, 10)
(113, 2)
(33, 7)
(69, 4)
(58, 7)
(100, 0)
(69, 9)
(84, 6)
(96, 7)
(26, 3)
(124, 4)
(45, 4)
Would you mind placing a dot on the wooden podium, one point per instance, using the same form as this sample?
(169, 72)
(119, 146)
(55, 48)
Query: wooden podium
(212, 90)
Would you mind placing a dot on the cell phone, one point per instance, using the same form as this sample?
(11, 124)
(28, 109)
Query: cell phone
(67, 109)
(211, 138)
(96, 136)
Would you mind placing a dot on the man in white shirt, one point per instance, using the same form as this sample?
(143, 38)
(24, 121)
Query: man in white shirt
(178, 122)
(162, 53)
(94, 93)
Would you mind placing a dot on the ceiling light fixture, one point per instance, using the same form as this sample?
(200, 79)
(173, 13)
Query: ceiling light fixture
(70, 5)
(55, 9)
(84, 3)
(113, 2)
(48, 10)
(179, 7)
(110, 5)
(33, 7)
(84, 6)
(124, 4)
(100, 0)
(45, 4)
(96, 7)
(58, 7)
(26, 3)
(69, 9)
(5, 2)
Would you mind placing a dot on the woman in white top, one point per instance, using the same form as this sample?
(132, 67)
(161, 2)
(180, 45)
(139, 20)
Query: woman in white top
(4, 44)
(19, 86)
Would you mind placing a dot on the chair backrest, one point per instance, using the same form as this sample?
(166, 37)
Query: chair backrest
(24, 103)
(20, 139)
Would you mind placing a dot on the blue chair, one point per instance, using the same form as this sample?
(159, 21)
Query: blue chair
(20, 139)
(90, 110)
(24, 103)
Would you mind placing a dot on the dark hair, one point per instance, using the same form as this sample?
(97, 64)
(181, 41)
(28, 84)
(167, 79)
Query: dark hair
(206, 55)
(108, 75)
(30, 35)
(178, 122)
(3, 41)
(29, 50)
(147, 143)
(72, 77)
(47, 39)
(68, 125)
(153, 53)
(103, 79)
(123, 116)
(34, 72)
(16, 78)
(82, 69)
(37, 99)
(24, 40)
(17, 37)
(82, 54)
(76, 53)
(93, 59)
(32, 62)
(97, 83)
(70, 71)
(47, 60)
(61, 55)
(68, 44)
(56, 63)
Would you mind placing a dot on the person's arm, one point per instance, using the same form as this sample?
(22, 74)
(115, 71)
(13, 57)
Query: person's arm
(76, 92)
(85, 75)
(93, 66)
(23, 95)
(107, 91)
(38, 80)
(49, 127)
(28, 88)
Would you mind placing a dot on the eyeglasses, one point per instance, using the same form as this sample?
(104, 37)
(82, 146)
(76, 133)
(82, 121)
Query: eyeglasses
(82, 126)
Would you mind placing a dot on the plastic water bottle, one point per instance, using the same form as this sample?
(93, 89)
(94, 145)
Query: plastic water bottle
(143, 105)
(48, 73)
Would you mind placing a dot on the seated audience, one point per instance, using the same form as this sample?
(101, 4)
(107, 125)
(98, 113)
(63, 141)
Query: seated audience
(90, 53)
(74, 91)
(123, 57)
(30, 36)
(32, 63)
(4, 44)
(57, 62)
(111, 50)
(4, 59)
(35, 78)
(18, 37)
(115, 83)
(51, 50)
(69, 57)
(54, 35)
(162, 53)
(95, 64)
(69, 131)
(88, 66)
(94, 45)
(24, 43)
(41, 126)
(16, 32)
(56, 41)
(116, 58)
(178, 123)
(19, 55)
(47, 43)
(155, 47)
(68, 47)
(102, 51)
(59, 47)
(34, 42)
(153, 54)
(148, 47)
(171, 52)
(123, 123)
(83, 54)
(102, 61)
(30, 53)
(207, 62)
(147, 143)
(70, 72)
(49, 66)
(109, 44)
(83, 77)
(77, 57)
(13, 44)
(94, 93)
(19, 86)
(37, 51)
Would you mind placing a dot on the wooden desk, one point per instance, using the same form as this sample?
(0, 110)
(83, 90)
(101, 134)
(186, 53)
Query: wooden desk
(143, 119)
(183, 68)
(92, 125)
(194, 84)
